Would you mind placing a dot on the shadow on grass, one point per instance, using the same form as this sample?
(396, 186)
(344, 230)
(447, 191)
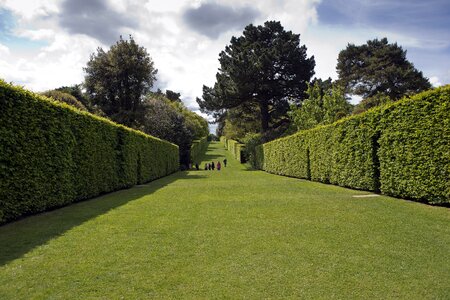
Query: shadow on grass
(20, 237)
(248, 167)
(212, 157)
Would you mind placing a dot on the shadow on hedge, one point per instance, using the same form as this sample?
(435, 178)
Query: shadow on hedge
(20, 237)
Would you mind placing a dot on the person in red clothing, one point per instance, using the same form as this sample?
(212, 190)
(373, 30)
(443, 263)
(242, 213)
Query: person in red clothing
(218, 166)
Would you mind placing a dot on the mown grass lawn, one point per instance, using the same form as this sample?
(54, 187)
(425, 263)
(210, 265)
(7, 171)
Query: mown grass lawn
(229, 234)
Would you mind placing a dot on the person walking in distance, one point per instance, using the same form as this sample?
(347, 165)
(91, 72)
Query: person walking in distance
(218, 166)
(213, 166)
(225, 162)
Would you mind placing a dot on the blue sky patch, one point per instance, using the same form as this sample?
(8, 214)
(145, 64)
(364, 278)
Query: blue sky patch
(425, 20)
(9, 39)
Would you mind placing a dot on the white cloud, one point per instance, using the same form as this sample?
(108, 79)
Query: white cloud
(36, 35)
(185, 59)
(434, 80)
(4, 50)
(31, 9)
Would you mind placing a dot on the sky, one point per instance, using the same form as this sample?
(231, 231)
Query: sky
(44, 44)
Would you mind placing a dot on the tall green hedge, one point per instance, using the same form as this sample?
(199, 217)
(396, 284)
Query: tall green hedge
(414, 148)
(224, 140)
(52, 154)
(401, 149)
(237, 149)
(198, 148)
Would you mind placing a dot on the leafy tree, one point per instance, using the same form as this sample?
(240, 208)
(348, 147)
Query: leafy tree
(66, 98)
(241, 120)
(368, 103)
(197, 125)
(378, 67)
(265, 67)
(335, 105)
(326, 104)
(77, 92)
(173, 96)
(162, 120)
(116, 80)
(173, 122)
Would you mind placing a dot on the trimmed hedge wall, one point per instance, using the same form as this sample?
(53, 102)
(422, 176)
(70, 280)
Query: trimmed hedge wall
(401, 149)
(224, 141)
(52, 154)
(414, 148)
(198, 149)
(237, 149)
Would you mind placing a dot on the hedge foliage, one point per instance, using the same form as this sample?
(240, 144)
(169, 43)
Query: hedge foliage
(198, 148)
(237, 149)
(401, 149)
(52, 154)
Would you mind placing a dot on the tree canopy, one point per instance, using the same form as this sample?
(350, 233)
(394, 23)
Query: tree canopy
(172, 121)
(378, 67)
(66, 98)
(266, 67)
(118, 79)
(326, 103)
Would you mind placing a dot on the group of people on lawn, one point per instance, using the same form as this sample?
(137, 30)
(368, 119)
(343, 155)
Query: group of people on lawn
(212, 165)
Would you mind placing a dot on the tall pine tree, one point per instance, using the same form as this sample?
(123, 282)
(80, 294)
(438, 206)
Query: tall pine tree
(265, 67)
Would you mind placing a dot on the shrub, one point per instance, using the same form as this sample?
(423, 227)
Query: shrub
(400, 149)
(237, 149)
(66, 98)
(52, 154)
(198, 148)
(251, 141)
(414, 147)
(223, 140)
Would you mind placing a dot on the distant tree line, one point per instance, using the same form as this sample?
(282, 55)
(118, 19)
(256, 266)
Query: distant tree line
(118, 85)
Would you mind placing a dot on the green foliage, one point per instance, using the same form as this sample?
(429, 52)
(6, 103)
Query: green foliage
(81, 96)
(371, 102)
(223, 140)
(240, 121)
(196, 124)
(379, 67)
(117, 80)
(326, 104)
(52, 154)
(415, 149)
(173, 122)
(251, 141)
(65, 98)
(198, 149)
(235, 148)
(400, 149)
(212, 138)
(265, 67)
(173, 96)
(163, 120)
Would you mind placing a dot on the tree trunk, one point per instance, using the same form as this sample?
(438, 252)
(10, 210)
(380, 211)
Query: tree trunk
(264, 107)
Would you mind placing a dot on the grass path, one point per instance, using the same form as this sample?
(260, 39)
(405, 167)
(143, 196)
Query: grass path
(229, 234)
